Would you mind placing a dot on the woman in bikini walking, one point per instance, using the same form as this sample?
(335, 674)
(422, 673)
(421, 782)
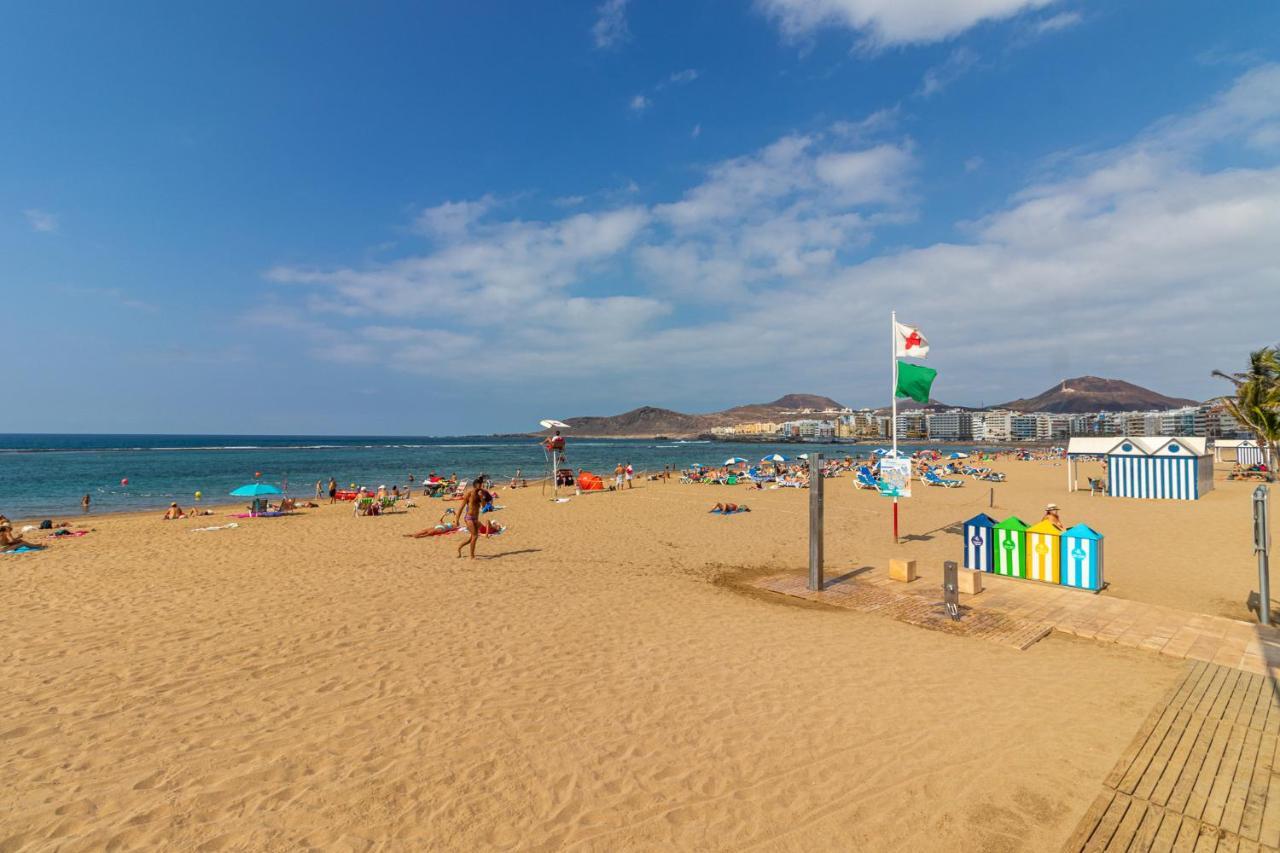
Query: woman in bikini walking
(473, 498)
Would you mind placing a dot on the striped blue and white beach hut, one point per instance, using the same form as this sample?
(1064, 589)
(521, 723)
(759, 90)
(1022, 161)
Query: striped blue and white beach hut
(1159, 468)
(977, 542)
(1081, 558)
(1244, 451)
(1151, 467)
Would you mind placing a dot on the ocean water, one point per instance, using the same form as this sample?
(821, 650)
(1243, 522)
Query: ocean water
(46, 475)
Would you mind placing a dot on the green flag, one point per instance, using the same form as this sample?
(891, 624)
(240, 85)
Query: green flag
(915, 381)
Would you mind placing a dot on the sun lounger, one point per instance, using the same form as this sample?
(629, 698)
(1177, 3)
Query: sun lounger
(934, 480)
(866, 480)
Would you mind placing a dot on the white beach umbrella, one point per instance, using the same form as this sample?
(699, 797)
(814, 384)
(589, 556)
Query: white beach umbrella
(734, 460)
(774, 457)
(803, 456)
(554, 424)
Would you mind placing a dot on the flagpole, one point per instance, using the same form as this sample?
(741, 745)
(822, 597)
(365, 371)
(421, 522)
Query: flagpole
(893, 403)
(893, 362)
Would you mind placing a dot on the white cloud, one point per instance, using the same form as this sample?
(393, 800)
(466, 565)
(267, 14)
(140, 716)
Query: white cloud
(1148, 240)
(681, 78)
(973, 164)
(696, 132)
(874, 125)
(487, 272)
(941, 76)
(1058, 22)
(41, 220)
(892, 22)
(639, 103)
(610, 27)
(452, 219)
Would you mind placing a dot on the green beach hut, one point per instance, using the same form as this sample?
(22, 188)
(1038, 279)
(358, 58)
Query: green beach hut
(1010, 557)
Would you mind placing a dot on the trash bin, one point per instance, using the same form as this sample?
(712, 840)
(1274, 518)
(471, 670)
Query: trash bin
(1009, 549)
(977, 542)
(1082, 558)
(1044, 551)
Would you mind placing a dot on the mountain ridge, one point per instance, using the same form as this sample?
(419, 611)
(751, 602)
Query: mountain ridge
(1095, 394)
(1068, 396)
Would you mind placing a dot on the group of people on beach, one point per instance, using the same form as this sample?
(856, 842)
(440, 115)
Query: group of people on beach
(477, 499)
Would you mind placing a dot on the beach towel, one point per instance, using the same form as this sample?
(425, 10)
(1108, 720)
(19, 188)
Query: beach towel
(25, 549)
(219, 527)
(64, 533)
(560, 501)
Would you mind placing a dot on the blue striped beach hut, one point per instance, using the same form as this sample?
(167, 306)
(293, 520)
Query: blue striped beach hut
(1244, 451)
(1149, 467)
(1159, 468)
(1081, 558)
(977, 542)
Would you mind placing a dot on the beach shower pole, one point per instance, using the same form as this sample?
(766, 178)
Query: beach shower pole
(1262, 547)
(815, 522)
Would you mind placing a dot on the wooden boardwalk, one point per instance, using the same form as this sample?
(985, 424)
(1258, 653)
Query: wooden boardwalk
(1202, 773)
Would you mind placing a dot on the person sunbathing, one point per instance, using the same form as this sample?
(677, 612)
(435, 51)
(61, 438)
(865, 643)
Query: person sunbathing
(730, 508)
(174, 512)
(441, 527)
(10, 541)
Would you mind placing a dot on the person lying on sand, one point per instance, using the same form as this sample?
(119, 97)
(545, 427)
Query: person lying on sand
(729, 508)
(446, 524)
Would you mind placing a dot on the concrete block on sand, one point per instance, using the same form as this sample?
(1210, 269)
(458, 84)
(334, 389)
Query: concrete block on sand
(902, 570)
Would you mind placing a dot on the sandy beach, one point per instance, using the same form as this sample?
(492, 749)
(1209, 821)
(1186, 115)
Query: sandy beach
(600, 680)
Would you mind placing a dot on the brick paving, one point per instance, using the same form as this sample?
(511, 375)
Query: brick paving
(1018, 612)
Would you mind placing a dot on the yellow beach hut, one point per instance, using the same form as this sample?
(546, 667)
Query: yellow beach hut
(1044, 552)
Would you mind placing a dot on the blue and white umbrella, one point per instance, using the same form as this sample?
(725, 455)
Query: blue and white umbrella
(734, 460)
(958, 455)
(774, 457)
(880, 451)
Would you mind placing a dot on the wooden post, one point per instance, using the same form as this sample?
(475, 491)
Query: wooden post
(815, 522)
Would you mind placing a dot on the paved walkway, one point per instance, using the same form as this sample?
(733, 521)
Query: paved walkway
(1030, 609)
(1201, 774)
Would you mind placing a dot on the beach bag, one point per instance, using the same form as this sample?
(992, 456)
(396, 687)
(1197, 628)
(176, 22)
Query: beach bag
(47, 524)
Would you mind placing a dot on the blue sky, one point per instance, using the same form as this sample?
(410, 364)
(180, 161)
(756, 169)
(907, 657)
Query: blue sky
(435, 218)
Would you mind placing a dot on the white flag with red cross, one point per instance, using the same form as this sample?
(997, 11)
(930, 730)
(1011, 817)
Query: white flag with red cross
(910, 343)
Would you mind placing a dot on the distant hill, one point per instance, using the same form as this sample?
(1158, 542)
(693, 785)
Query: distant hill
(650, 420)
(1082, 394)
(1092, 394)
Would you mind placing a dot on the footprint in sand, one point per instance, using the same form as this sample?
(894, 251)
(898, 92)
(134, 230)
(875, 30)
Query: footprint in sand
(148, 782)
